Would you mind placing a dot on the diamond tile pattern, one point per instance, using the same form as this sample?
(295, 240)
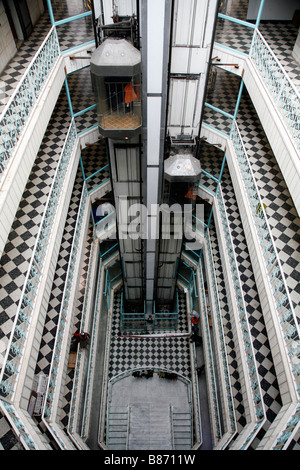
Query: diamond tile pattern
(258, 331)
(172, 353)
(21, 240)
(167, 353)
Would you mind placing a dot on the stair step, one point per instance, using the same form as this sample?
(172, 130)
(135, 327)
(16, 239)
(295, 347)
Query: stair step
(183, 435)
(117, 446)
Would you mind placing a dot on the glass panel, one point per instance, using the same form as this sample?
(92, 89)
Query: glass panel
(235, 9)
(75, 33)
(118, 99)
(234, 35)
(216, 119)
(68, 8)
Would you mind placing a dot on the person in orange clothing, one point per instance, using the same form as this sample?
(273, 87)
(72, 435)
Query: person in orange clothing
(190, 194)
(130, 96)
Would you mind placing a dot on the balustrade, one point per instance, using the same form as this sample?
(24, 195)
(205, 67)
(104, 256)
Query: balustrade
(19, 109)
(211, 361)
(282, 302)
(230, 405)
(242, 314)
(284, 94)
(64, 312)
(19, 332)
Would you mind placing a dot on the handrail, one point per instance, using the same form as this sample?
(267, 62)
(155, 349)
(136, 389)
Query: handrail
(244, 324)
(221, 334)
(215, 411)
(19, 108)
(64, 310)
(236, 20)
(285, 95)
(34, 273)
(283, 304)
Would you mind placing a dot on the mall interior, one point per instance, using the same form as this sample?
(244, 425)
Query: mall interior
(149, 225)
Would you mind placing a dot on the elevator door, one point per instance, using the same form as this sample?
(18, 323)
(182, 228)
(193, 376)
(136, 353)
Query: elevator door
(24, 17)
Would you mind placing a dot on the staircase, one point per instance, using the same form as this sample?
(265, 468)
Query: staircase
(149, 427)
(145, 426)
(117, 428)
(182, 429)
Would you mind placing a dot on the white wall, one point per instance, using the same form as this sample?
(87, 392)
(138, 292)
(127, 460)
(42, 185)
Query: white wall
(7, 43)
(296, 50)
(35, 8)
(273, 9)
(191, 45)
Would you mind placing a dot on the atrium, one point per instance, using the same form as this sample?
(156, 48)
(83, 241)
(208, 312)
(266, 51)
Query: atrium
(149, 225)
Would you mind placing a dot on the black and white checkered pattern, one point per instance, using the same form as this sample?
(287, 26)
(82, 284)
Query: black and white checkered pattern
(166, 353)
(8, 439)
(172, 353)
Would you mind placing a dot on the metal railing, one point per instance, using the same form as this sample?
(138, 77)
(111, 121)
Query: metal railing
(211, 360)
(19, 333)
(284, 94)
(56, 364)
(282, 301)
(254, 382)
(219, 323)
(19, 109)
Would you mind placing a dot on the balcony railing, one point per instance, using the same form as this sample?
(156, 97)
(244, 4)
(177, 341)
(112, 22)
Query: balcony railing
(19, 109)
(257, 401)
(282, 301)
(65, 311)
(16, 346)
(283, 93)
(219, 323)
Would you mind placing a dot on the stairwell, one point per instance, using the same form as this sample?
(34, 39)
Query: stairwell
(182, 429)
(117, 428)
(145, 426)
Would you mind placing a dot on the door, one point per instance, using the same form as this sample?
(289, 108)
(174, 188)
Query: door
(24, 17)
(10, 20)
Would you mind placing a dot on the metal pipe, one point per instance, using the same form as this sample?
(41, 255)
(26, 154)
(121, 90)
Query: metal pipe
(69, 97)
(260, 10)
(51, 12)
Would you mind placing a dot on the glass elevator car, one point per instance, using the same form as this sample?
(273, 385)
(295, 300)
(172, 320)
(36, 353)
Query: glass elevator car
(116, 79)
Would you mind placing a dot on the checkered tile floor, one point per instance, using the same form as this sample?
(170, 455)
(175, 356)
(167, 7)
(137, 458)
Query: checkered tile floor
(8, 439)
(127, 353)
(235, 8)
(281, 37)
(68, 387)
(19, 247)
(94, 157)
(167, 353)
(228, 332)
(252, 303)
(82, 97)
(14, 71)
(259, 335)
(70, 35)
(282, 216)
(45, 354)
(76, 32)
